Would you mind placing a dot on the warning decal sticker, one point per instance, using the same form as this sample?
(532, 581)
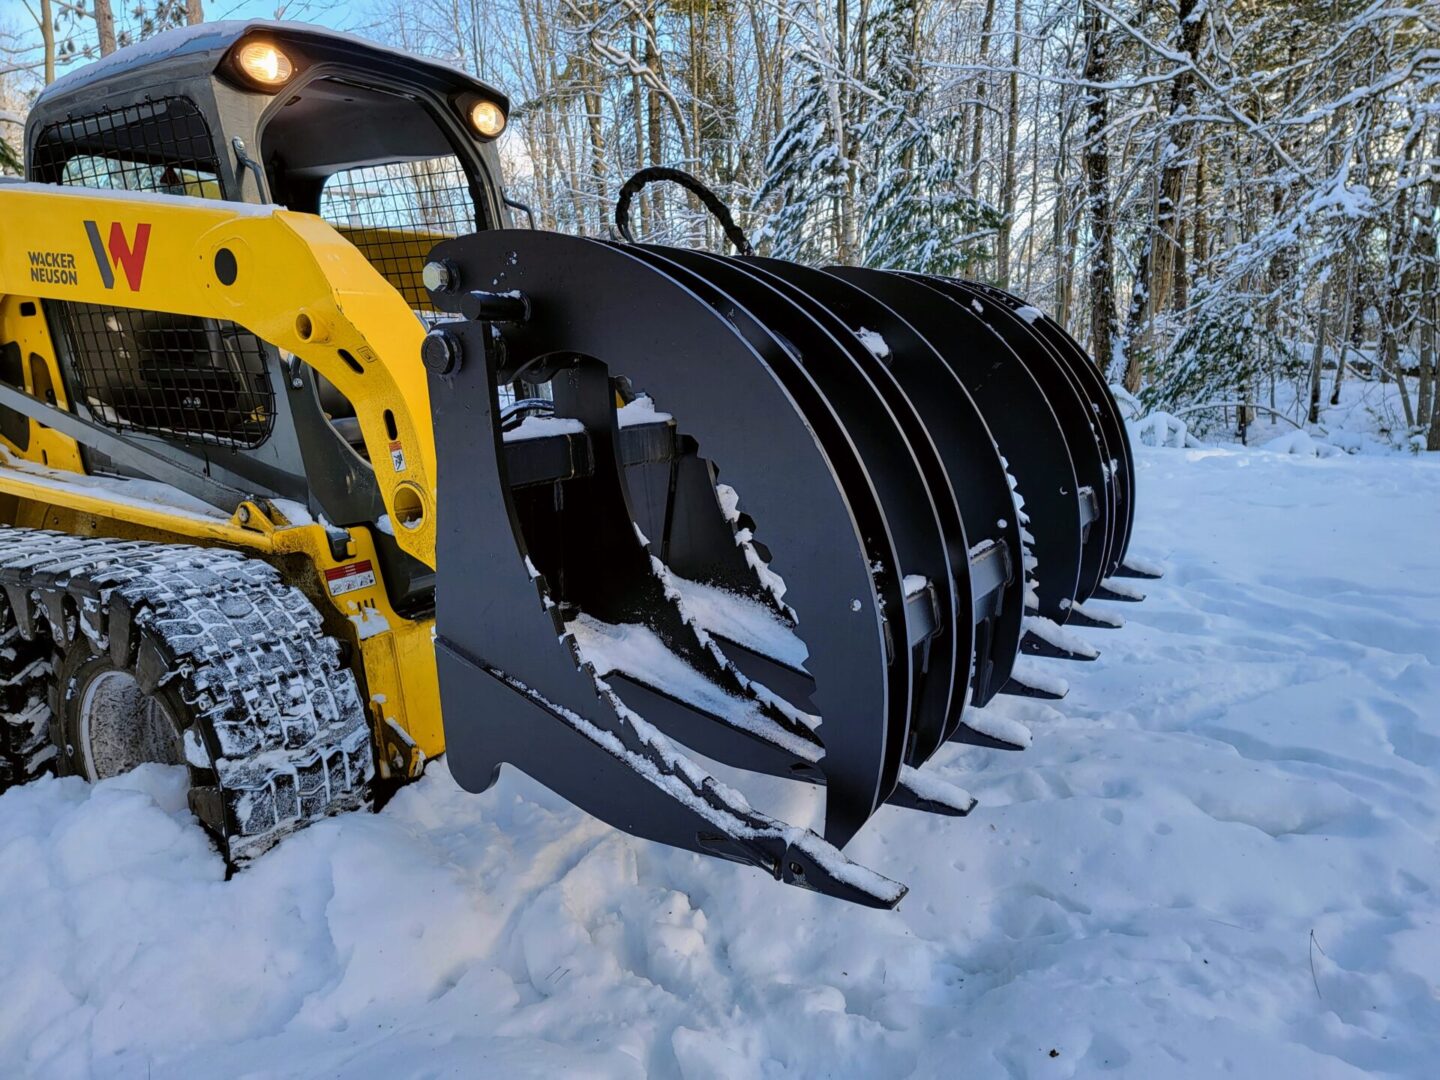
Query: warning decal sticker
(350, 577)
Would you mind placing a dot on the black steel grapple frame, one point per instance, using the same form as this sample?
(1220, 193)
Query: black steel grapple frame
(872, 424)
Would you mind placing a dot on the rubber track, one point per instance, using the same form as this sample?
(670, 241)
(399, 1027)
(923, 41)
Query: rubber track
(25, 747)
(279, 720)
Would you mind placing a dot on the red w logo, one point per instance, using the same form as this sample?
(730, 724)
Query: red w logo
(121, 252)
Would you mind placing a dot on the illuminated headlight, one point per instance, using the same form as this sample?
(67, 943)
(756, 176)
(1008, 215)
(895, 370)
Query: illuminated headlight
(487, 119)
(264, 64)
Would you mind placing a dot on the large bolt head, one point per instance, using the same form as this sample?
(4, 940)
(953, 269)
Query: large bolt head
(441, 352)
(439, 277)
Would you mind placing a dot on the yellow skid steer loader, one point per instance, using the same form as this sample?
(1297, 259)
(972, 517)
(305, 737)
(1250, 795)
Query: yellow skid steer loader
(312, 468)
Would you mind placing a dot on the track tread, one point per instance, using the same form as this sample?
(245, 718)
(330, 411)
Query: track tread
(25, 748)
(285, 731)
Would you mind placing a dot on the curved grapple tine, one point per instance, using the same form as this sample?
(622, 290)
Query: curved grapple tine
(909, 477)
(1112, 425)
(975, 476)
(753, 410)
(1026, 431)
(1077, 423)
(790, 337)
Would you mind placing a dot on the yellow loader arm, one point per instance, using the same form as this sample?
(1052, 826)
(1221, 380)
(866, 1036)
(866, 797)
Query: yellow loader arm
(288, 278)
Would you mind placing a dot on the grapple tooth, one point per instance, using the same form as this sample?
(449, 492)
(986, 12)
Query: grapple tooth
(1045, 637)
(612, 764)
(1030, 679)
(1133, 566)
(1094, 618)
(920, 791)
(1020, 418)
(1113, 589)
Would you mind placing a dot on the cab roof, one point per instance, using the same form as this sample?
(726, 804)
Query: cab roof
(199, 50)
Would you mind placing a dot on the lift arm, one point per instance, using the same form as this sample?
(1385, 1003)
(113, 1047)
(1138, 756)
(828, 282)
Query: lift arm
(288, 278)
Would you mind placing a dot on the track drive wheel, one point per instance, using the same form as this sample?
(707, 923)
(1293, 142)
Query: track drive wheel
(195, 657)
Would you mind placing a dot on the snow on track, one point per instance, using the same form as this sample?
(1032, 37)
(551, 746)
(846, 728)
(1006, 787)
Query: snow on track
(1219, 857)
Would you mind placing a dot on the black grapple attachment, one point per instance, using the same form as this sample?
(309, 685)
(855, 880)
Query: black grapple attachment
(801, 522)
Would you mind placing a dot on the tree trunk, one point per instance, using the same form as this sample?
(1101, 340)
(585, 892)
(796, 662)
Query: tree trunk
(1032, 226)
(1012, 135)
(1317, 360)
(1181, 133)
(1428, 412)
(1103, 329)
(977, 110)
(1425, 413)
(104, 26)
(655, 123)
(195, 15)
(1064, 251)
(1349, 329)
(1199, 238)
(47, 35)
(1155, 274)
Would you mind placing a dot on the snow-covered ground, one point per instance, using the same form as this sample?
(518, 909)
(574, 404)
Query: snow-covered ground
(1218, 858)
(1368, 417)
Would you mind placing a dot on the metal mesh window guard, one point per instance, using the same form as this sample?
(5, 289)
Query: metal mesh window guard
(395, 213)
(159, 146)
(200, 380)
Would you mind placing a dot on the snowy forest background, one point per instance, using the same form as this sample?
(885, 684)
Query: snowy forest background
(1225, 200)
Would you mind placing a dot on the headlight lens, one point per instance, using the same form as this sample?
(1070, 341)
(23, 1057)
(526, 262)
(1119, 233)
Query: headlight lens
(265, 64)
(487, 118)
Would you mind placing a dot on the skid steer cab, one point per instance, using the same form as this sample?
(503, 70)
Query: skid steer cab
(313, 468)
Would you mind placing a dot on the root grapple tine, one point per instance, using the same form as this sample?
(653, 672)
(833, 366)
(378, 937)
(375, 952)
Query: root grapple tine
(1102, 402)
(781, 447)
(1118, 591)
(1133, 566)
(818, 361)
(510, 694)
(910, 480)
(1095, 618)
(864, 496)
(1073, 418)
(620, 769)
(1030, 679)
(1029, 437)
(1044, 637)
(920, 791)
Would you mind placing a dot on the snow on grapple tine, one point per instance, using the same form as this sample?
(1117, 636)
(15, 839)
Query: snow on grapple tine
(825, 534)
(1025, 429)
(972, 464)
(1073, 416)
(619, 607)
(909, 477)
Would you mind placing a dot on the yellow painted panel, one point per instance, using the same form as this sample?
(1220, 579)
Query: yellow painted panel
(289, 278)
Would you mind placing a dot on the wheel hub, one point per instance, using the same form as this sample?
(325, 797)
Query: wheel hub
(122, 727)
